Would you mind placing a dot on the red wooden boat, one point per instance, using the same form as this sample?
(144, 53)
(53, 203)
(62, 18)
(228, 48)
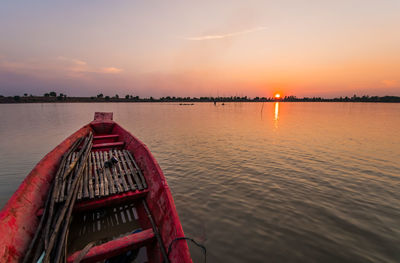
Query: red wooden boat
(138, 216)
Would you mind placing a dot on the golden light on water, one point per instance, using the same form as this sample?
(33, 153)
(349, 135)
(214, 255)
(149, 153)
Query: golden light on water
(276, 111)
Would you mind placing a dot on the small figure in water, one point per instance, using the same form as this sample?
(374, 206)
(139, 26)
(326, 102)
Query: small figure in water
(215, 103)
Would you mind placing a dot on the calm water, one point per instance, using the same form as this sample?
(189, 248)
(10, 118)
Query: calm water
(294, 182)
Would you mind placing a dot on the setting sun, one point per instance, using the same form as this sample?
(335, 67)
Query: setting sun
(277, 96)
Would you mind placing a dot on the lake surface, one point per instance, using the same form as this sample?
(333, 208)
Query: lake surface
(254, 182)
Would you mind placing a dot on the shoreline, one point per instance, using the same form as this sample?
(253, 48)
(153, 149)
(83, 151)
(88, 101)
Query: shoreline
(64, 99)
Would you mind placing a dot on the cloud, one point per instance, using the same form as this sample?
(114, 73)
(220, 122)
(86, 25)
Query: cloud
(389, 83)
(55, 68)
(111, 70)
(72, 60)
(222, 36)
(79, 66)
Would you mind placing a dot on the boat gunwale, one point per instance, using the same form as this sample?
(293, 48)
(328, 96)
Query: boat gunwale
(18, 218)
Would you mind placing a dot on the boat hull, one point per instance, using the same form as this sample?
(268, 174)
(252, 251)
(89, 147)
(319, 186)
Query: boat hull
(19, 217)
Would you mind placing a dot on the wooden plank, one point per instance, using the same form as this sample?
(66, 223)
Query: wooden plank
(90, 178)
(111, 182)
(109, 136)
(96, 176)
(121, 172)
(68, 179)
(101, 177)
(57, 179)
(108, 145)
(86, 181)
(127, 172)
(70, 176)
(130, 173)
(118, 187)
(115, 174)
(135, 175)
(105, 177)
(114, 247)
(62, 188)
(138, 169)
(80, 189)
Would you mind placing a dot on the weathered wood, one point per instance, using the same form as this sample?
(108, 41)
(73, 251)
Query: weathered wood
(100, 173)
(138, 169)
(64, 182)
(108, 136)
(70, 201)
(131, 171)
(111, 178)
(77, 158)
(135, 176)
(105, 175)
(107, 170)
(127, 172)
(108, 145)
(63, 236)
(91, 190)
(115, 247)
(57, 181)
(59, 178)
(121, 172)
(66, 247)
(105, 179)
(64, 227)
(80, 189)
(115, 175)
(72, 177)
(71, 174)
(86, 182)
(96, 175)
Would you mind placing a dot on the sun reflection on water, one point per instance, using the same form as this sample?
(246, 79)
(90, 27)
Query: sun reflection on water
(276, 111)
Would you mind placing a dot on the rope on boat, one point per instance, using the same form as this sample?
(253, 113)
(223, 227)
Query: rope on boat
(194, 242)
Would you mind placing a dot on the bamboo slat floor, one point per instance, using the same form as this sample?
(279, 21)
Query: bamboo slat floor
(101, 180)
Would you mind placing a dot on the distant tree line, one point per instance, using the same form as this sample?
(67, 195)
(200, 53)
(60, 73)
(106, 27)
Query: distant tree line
(354, 98)
(61, 97)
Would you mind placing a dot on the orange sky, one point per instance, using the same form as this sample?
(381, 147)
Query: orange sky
(209, 48)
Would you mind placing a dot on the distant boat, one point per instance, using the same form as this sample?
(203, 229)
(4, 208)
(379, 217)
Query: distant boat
(121, 205)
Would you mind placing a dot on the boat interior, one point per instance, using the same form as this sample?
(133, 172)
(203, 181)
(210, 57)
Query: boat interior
(110, 222)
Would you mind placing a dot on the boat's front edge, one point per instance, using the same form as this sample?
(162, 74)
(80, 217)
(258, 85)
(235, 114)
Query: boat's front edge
(159, 199)
(18, 219)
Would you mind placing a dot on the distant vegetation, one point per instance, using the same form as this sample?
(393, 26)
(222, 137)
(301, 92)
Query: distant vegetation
(54, 97)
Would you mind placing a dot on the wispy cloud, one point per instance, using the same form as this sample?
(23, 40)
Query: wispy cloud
(111, 70)
(221, 36)
(80, 66)
(55, 67)
(389, 83)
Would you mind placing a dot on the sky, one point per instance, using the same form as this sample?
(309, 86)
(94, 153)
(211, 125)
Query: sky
(200, 48)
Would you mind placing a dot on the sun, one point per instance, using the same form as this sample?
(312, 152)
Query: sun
(277, 96)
